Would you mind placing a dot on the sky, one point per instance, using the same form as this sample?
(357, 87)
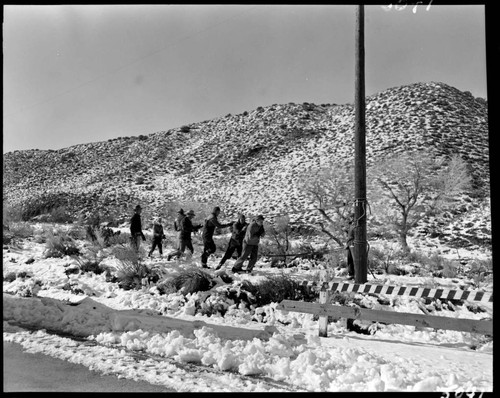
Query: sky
(76, 74)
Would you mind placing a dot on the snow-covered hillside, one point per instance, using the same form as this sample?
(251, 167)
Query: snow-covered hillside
(251, 162)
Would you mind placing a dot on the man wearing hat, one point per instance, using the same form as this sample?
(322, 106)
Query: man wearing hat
(158, 236)
(177, 227)
(136, 229)
(250, 245)
(186, 228)
(208, 235)
(178, 220)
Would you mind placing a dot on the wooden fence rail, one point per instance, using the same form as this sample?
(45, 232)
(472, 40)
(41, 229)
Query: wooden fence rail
(402, 318)
(323, 309)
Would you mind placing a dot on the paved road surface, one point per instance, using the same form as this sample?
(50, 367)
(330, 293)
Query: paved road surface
(24, 371)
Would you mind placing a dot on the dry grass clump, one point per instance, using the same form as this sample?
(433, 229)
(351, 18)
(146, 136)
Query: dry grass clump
(131, 273)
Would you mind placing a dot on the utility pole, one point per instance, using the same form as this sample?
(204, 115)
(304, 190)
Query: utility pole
(360, 255)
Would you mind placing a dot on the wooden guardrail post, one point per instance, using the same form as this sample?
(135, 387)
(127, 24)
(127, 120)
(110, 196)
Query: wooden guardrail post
(323, 320)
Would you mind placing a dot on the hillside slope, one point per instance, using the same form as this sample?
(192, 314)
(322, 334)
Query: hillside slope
(250, 162)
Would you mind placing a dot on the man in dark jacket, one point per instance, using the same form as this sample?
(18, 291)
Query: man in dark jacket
(178, 220)
(236, 241)
(158, 236)
(186, 228)
(250, 245)
(177, 226)
(136, 229)
(208, 235)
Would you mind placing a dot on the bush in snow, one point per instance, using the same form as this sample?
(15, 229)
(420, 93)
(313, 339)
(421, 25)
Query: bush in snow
(60, 215)
(335, 258)
(10, 277)
(77, 232)
(19, 230)
(275, 289)
(481, 271)
(190, 281)
(89, 266)
(118, 238)
(60, 244)
(131, 273)
(450, 269)
(11, 213)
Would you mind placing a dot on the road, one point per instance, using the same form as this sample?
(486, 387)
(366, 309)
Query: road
(26, 372)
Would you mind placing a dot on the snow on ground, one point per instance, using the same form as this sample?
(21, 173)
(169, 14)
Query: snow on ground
(143, 335)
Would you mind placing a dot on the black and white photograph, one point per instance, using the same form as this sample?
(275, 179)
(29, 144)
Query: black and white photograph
(248, 198)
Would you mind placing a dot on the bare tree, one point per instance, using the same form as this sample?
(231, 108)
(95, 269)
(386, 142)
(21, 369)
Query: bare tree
(280, 234)
(332, 190)
(407, 187)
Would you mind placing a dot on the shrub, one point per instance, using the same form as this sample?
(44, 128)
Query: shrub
(90, 266)
(480, 271)
(23, 275)
(60, 215)
(139, 180)
(60, 245)
(377, 258)
(191, 281)
(436, 261)
(10, 277)
(131, 273)
(393, 269)
(77, 233)
(12, 213)
(335, 258)
(274, 289)
(21, 230)
(450, 269)
(43, 204)
(119, 238)
(340, 298)
(185, 129)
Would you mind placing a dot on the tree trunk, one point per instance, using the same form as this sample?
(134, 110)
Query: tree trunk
(404, 232)
(403, 242)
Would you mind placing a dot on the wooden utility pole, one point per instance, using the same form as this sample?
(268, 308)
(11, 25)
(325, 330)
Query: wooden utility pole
(360, 245)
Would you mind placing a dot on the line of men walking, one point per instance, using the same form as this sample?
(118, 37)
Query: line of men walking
(245, 237)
